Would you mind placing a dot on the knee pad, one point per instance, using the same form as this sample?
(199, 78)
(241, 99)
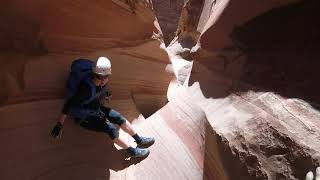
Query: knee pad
(112, 131)
(116, 117)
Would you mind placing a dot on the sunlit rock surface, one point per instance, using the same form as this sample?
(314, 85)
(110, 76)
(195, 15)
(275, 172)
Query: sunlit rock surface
(263, 115)
(228, 88)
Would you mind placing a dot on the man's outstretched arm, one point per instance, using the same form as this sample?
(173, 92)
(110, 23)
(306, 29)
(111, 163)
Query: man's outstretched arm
(82, 95)
(62, 118)
(57, 129)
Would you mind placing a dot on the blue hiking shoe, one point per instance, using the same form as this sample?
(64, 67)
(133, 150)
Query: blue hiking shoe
(139, 152)
(145, 141)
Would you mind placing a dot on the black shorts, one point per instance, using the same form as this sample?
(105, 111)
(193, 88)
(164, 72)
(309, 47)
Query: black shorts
(104, 123)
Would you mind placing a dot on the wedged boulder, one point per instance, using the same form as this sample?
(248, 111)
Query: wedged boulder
(255, 134)
(265, 136)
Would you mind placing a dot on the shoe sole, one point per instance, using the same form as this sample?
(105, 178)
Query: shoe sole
(145, 145)
(141, 156)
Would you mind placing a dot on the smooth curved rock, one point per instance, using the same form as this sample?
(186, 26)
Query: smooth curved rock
(72, 26)
(218, 111)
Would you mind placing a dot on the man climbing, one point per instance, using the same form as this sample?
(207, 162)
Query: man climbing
(86, 90)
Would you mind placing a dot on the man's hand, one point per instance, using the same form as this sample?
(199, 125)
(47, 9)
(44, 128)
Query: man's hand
(57, 130)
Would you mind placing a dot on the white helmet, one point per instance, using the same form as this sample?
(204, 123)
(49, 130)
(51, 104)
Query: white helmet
(103, 66)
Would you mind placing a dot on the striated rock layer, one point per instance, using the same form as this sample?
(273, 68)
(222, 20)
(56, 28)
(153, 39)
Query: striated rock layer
(72, 26)
(233, 96)
(263, 116)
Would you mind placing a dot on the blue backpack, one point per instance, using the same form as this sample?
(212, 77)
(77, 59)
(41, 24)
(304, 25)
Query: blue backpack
(81, 71)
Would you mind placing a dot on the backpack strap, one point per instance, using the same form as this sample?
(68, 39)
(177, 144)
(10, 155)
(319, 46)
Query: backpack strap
(89, 82)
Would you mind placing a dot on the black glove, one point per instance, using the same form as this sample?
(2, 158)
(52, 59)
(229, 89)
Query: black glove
(57, 130)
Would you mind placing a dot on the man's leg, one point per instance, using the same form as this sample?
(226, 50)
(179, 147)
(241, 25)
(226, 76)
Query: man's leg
(114, 135)
(127, 127)
(100, 125)
(121, 143)
(117, 118)
(134, 152)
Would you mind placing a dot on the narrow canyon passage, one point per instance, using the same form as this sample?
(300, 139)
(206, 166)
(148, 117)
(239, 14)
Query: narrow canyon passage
(227, 88)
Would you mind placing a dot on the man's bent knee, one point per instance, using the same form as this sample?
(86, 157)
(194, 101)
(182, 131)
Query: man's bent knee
(112, 131)
(116, 117)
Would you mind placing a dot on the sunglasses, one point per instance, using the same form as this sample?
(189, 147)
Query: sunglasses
(101, 77)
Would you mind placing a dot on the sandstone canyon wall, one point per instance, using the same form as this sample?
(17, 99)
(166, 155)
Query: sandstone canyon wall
(228, 88)
(255, 56)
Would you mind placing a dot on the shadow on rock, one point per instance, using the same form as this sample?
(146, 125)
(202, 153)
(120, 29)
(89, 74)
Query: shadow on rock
(282, 47)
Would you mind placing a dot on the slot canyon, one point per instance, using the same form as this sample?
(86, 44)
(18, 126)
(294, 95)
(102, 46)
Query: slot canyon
(227, 88)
